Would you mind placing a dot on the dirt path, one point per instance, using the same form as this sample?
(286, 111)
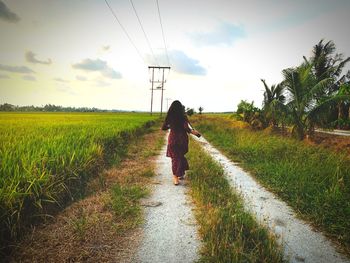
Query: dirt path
(169, 231)
(300, 242)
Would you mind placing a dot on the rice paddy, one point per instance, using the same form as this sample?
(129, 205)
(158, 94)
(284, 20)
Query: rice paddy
(47, 157)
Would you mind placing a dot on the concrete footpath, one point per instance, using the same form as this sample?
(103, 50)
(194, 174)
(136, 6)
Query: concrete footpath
(335, 132)
(170, 233)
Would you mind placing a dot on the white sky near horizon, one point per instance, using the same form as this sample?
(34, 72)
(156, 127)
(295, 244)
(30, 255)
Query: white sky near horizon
(78, 55)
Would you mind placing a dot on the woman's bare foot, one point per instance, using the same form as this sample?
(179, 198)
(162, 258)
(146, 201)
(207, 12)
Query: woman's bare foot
(176, 180)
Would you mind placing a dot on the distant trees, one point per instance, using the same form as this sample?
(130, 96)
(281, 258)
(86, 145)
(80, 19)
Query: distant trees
(7, 107)
(246, 110)
(249, 113)
(200, 109)
(190, 111)
(48, 108)
(313, 94)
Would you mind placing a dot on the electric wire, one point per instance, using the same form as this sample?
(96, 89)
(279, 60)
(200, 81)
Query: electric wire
(144, 33)
(126, 33)
(161, 26)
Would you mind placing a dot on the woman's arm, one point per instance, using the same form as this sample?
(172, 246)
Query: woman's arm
(194, 132)
(191, 130)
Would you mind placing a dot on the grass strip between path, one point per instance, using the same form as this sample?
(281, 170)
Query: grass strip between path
(313, 180)
(229, 233)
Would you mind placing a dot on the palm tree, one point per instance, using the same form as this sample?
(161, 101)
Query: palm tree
(273, 102)
(302, 89)
(329, 64)
(344, 90)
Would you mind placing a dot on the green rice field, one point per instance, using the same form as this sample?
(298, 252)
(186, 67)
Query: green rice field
(46, 158)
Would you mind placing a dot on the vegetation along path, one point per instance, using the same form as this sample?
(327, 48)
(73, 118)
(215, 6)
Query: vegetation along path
(301, 243)
(104, 224)
(169, 232)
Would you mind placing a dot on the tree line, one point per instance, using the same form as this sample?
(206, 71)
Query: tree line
(49, 108)
(314, 94)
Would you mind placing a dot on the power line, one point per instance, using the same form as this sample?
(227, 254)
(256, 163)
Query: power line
(144, 33)
(126, 33)
(161, 25)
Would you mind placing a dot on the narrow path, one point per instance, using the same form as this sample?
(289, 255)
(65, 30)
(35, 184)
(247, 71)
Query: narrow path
(170, 229)
(335, 132)
(300, 242)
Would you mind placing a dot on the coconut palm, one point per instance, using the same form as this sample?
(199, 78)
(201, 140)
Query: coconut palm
(329, 64)
(342, 119)
(302, 89)
(273, 102)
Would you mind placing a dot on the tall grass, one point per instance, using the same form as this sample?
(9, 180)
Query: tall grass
(46, 157)
(313, 180)
(229, 233)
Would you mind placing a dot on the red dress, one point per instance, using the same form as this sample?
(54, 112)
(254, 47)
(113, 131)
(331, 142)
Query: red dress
(177, 148)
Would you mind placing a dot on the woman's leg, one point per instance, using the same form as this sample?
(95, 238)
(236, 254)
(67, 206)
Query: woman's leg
(176, 180)
(185, 165)
(179, 165)
(175, 169)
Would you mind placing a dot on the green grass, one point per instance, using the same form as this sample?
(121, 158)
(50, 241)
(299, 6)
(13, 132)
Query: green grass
(313, 180)
(125, 202)
(47, 157)
(229, 233)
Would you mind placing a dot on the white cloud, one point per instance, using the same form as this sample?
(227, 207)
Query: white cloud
(106, 48)
(81, 78)
(16, 69)
(101, 83)
(97, 65)
(184, 64)
(31, 58)
(224, 34)
(7, 15)
(61, 80)
(29, 77)
(179, 62)
(66, 89)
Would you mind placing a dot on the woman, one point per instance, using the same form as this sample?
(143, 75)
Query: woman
(179, 126)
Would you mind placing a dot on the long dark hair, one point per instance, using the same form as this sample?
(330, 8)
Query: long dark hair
(176, 116)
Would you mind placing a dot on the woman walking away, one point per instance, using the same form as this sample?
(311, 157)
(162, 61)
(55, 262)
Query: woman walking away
(179, 126)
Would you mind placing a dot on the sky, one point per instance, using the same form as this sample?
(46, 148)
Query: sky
(75, 53)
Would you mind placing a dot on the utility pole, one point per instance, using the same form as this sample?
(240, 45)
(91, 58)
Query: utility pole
(161, 100)
(162, 85)
(152, 90)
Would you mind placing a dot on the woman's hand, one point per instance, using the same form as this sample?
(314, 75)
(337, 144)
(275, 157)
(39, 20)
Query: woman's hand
(194, 132)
